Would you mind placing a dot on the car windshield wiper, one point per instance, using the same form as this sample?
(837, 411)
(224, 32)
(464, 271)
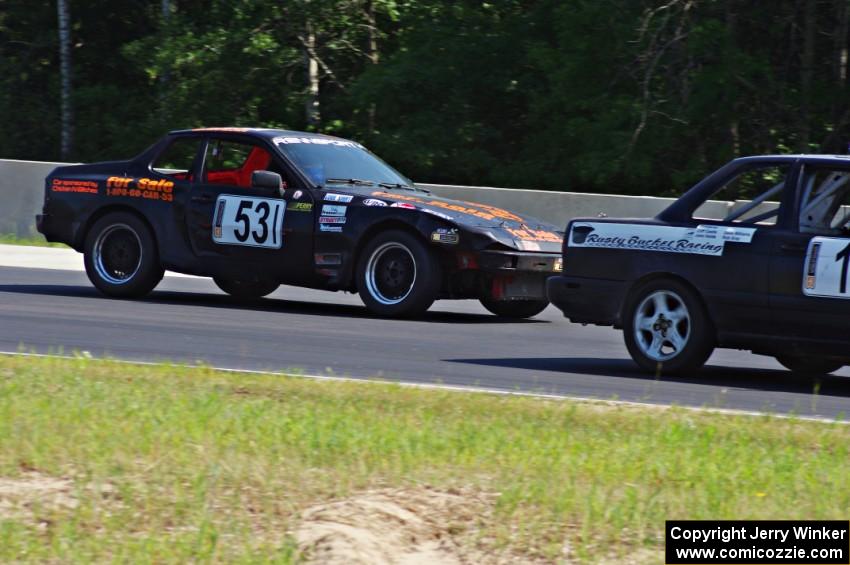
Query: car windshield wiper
(396, 185)
(350, 181)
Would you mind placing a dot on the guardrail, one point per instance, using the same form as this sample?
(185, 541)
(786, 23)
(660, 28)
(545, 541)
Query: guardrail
(22, 190)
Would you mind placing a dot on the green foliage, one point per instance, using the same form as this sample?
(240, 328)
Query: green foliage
(626, 96)
(173, 465)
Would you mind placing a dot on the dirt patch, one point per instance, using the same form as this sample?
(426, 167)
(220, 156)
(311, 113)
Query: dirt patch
(19, 497)
(399, 526)
(642, 556)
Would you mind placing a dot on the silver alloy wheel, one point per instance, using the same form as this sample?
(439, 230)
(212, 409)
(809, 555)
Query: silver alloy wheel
(117, 254)
(387, 264)
(662, 325)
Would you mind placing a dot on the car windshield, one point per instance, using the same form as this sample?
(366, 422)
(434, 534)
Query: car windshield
(336, 161)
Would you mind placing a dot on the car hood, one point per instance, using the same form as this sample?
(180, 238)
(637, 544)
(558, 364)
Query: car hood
(508, 228)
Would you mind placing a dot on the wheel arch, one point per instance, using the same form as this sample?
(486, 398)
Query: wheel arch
(83, 232)
(659, 275)
(372, 231)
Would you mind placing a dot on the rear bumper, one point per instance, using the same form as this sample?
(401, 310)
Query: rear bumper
(587, 301)
(39, 222)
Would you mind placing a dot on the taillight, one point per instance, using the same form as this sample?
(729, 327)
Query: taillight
(466, 261)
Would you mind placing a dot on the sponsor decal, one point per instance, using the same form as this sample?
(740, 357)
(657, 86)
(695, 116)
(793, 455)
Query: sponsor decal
(331, 210)
(71, 185)
(726, 233)
(297, 194)
(483, 214)
(149, 189)
(316, 141)
(445, 235)
(404, 205)
(497, 212)
(438, 214)
(635, 237)
(527, 234)
(330, 228)
(812, 265)
(332, 219)
(403, 197)
(300, 206)
(827, 268)
(374, 202)
(344, 198)
(218, 219)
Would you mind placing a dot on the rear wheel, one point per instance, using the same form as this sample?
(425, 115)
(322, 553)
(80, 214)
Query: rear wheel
(515, 308)
(397, 275)
(808, 365)
(246, 289)
(121, 257)
(666, 328)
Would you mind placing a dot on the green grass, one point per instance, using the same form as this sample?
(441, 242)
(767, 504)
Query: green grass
(212, 466)
(36, 240)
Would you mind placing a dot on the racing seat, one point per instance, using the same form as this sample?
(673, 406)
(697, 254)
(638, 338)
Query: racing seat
(258, 160)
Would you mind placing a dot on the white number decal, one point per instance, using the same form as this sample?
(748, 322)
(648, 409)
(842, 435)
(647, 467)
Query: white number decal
(826, 268)
(256, 222)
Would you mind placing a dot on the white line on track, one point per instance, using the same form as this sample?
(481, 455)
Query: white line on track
(456, 388)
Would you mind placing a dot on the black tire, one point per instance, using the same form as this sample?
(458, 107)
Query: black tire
(666, 328)
(516, 309)
(121, 256)
(246, 289)
(808, 365)
(397, 275)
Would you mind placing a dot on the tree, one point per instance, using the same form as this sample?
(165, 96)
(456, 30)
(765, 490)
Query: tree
(65, 72)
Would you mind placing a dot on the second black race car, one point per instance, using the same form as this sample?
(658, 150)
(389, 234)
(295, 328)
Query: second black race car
(256, 208)
(755, 256)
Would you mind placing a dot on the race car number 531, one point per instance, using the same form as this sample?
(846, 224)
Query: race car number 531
(256, 222)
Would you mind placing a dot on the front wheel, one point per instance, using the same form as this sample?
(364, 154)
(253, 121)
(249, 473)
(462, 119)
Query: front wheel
(808, 365)
(121, 257)
(515, 308)
(667, 329)
(397, 275)
(246, 289)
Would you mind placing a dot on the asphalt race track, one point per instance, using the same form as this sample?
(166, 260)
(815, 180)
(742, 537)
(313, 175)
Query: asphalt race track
(457, 343)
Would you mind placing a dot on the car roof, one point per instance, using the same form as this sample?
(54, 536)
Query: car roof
(268, 133)
(808, 157)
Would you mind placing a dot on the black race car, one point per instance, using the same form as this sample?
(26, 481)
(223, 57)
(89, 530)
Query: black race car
(755, 256)
(256, 208)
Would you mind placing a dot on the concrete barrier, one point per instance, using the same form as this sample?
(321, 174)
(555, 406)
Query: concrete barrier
(22, 191)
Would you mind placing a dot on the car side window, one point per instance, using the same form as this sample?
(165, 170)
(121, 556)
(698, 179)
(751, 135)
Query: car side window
(825, 201)
(177, 159)
(233, 162)
(753, 196)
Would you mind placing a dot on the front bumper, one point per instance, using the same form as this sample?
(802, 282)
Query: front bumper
(512, 275)
(587, 301)
(518, 261)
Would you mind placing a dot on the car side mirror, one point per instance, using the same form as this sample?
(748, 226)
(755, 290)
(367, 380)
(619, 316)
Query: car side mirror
(267, 180)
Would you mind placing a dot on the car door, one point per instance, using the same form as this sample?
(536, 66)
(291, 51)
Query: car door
(742, 213)
(238, 227)
(809, 287)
